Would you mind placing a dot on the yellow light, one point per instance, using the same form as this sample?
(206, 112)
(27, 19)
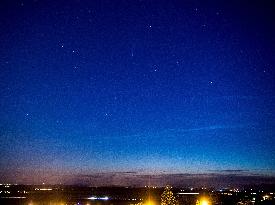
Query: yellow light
(150, 202)
(204, 202)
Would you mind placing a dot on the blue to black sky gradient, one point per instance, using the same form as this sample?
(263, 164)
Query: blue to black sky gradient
(146, 86)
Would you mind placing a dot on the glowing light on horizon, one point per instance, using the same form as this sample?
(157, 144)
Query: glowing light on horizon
(203, 201)
(43, 189)
(150, 202)
(192, 193)
(98, 198)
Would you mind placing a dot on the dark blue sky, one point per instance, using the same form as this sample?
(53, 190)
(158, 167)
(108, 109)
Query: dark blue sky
(145, 86)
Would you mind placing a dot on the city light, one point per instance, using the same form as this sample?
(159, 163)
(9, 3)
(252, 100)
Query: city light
(189, 193)
(99, 198)
(92, 198)
(149, 202)
(265, 197)
(203, 201)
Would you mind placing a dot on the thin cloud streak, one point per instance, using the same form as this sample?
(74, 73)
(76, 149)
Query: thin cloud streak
(209, 128)
(206, 128)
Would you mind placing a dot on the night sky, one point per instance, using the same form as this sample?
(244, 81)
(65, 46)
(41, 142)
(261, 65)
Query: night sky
(144, 87)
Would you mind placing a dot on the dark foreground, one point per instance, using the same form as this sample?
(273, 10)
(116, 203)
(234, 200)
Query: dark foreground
(79, 195)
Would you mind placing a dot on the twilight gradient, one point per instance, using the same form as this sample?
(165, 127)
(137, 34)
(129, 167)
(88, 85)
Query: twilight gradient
(146, 86)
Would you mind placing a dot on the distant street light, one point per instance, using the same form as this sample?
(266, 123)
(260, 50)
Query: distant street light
(150, 202)
(203, 201)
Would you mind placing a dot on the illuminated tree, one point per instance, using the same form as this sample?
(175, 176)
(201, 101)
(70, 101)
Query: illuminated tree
(168, 198)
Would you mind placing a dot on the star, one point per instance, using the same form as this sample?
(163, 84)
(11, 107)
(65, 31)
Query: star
(140, 80)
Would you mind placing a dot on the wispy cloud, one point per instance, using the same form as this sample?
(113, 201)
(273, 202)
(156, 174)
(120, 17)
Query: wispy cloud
(233, 170)
(209, 128)
(185, 130)
(216, 178)
(246, 97)
(223, 178)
